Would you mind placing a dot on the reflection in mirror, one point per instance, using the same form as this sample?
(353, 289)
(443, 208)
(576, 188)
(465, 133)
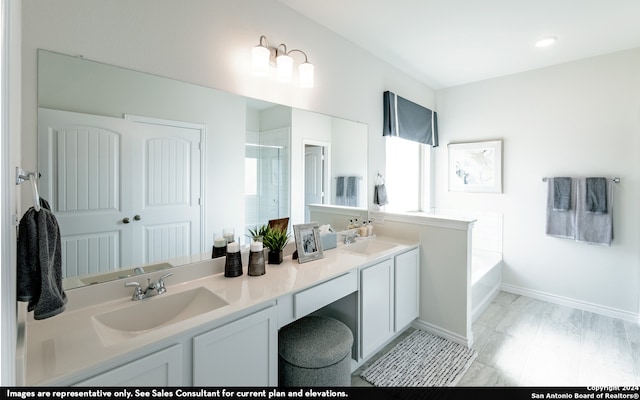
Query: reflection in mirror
(267, 162)
(143, 171)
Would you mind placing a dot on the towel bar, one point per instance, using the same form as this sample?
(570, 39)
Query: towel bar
(614, 180)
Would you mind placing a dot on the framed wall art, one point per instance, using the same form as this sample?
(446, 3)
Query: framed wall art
(475, 167)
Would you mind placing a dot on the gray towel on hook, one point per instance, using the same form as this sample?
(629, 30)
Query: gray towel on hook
(561, 194)
(596, 195)
(561, 223)
(39, 272)
(593, 228)
(380, 195)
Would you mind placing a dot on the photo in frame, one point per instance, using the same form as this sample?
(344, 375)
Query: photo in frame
(308, 242)
(475, 167)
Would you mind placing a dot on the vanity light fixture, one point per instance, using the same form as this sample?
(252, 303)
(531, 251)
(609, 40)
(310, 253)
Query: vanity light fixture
(263, 56)
(547, 41)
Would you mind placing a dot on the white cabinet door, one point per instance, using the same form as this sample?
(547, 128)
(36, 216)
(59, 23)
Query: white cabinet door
(162, 368)
(376, 296)
(241, 353)
(407, 267)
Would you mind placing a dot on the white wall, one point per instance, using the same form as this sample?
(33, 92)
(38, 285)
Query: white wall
(576, 119)
(10, 121)
(209, 43)
(347, 154)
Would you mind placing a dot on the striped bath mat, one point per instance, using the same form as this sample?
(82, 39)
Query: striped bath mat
(421, 359)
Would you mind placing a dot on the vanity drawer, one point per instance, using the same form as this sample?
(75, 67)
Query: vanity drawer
(316, 297)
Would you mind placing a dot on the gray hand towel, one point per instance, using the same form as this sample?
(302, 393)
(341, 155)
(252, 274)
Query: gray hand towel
(560, 223)
(380, 195)
(39, 275)
(593, 228)
(561, 194)
(596, 195)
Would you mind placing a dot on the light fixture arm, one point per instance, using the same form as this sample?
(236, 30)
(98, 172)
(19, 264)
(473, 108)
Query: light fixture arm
(300, 51)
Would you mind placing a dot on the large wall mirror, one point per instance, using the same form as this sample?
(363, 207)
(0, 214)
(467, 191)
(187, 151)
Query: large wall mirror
(143, 171)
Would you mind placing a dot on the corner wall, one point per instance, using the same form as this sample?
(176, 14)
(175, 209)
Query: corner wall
(576, 119)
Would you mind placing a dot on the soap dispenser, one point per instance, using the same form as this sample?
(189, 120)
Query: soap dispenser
(363, 230)
(370, 229)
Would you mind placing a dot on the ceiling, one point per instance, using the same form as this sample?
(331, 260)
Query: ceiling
(445, 43)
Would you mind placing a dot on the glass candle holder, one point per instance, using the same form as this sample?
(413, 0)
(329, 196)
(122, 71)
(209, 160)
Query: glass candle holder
(219, 247)
(233, 262)
(256, 259)
(229, 234)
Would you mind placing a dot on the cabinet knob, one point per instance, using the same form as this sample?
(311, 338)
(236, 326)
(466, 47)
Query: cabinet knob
(126, 220)
(137, 217)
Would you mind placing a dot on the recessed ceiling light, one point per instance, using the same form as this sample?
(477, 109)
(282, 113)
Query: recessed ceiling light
(547, 41)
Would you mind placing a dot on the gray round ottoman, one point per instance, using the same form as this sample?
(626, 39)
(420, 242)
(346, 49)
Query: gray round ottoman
(315, 351)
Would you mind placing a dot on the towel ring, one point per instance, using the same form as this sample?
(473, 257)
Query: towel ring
(21, 176)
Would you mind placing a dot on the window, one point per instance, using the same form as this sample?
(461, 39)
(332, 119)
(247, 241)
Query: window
(408, 170)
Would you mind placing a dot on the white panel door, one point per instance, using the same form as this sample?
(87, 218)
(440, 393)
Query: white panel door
(123, 193)
(313, 176)
(166, 192)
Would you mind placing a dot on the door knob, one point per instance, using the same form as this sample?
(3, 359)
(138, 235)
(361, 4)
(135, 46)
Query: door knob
(126, 220)
(137, 217)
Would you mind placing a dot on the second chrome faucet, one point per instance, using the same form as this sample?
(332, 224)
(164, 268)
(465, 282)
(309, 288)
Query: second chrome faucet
(153, 288)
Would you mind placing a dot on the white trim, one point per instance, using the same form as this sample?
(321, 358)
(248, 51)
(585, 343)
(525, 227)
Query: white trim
(565, 301)
(421, 218)
(203, 167)
(327, 171)
(454, 337)
(8, 320)
(395, 113)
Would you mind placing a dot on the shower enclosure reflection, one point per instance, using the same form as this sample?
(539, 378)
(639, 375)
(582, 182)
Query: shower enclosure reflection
(266, 184)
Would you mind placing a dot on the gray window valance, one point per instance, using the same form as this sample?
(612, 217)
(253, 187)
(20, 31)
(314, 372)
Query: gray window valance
(409, 120)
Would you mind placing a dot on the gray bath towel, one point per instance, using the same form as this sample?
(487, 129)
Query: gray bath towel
(596, 195)
(341, 199)
(353, 191)
(594, 228)
(561, 194)
(561, 223)
(39, 274)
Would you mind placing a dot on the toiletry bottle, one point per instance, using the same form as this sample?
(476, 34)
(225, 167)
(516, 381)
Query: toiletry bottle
(370, 229)
(350, 226)
(362, 231)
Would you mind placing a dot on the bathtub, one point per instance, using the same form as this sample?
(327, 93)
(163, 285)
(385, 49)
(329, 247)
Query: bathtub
(486, 278)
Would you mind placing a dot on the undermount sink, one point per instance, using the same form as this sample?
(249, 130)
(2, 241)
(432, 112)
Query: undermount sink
(368, 247)
(154, 312)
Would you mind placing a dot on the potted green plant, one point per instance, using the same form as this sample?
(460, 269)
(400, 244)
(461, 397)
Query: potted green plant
(275, 240)
(258, 233)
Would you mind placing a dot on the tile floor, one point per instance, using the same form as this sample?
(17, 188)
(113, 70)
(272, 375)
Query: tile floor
(527, 342)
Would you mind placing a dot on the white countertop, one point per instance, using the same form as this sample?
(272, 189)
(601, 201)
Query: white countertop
(65, 345)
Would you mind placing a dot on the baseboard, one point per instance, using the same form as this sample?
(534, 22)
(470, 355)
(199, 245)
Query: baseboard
(454, 337)
(565, 301)
(486, 302)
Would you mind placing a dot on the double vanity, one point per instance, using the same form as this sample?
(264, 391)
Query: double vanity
(209, 330)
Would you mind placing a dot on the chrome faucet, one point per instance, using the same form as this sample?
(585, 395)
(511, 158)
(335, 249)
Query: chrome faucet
(158, 287)
(350, 237)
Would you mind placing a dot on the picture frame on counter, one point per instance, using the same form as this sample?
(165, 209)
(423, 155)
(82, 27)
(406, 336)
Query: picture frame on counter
(308, 242)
